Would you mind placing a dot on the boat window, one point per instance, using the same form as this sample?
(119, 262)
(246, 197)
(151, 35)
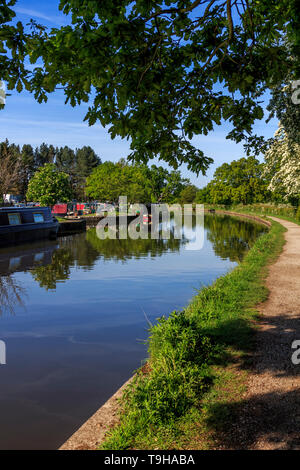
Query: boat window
(38, 257)
(38, 217)
(14, 219)
(14, 263)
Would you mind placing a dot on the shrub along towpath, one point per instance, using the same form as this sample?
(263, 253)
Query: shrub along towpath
(268, 417)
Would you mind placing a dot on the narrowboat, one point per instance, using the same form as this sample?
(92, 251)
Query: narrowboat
(61, 209)
(77, 208)
(85, 208)
(24, 224)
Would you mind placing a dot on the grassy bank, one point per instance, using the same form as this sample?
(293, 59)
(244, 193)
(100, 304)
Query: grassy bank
(285, 212)
(197, 362)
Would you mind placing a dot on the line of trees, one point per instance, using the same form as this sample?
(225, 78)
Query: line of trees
(19, 164)
(248, 181)
(241, 181)
(109, 181)
(47, 175)
(139, 183)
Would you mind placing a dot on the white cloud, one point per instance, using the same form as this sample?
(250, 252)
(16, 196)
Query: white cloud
(59, 125)
(58, 20)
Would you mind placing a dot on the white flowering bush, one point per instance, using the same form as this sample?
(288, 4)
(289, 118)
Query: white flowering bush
(283, 165)
(2, 94)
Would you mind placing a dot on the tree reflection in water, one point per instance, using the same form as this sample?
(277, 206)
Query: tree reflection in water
(123, 250)
(85, 249)
(11, 294)
(15, 259)
(230, 238)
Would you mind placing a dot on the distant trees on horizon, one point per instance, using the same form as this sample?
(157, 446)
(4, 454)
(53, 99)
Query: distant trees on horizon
(248, 181)
(19, 164)
(25, 171)
(139, 182)
(243, 181)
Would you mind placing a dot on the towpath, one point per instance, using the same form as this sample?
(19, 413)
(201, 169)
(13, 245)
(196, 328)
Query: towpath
(269, 415)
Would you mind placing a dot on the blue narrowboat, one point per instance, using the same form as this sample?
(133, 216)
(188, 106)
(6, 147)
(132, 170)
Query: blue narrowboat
(24, 224)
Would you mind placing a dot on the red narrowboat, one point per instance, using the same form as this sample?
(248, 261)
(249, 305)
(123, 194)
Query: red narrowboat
(60, 209)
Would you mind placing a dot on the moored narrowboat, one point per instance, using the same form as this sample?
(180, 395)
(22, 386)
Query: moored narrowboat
(60, 209)
(24, 224)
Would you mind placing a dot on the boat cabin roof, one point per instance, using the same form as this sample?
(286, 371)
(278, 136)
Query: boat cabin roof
(21, 209)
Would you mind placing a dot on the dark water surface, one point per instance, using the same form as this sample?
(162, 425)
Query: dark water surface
(73, 314)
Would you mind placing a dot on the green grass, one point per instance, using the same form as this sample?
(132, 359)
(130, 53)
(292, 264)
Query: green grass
(284, 212)
(280, 213)
(173, 401)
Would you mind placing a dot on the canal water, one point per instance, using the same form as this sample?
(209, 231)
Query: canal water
(74, 315)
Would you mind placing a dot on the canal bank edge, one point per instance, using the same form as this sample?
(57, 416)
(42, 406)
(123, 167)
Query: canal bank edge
(93, 432)
(247, 216)
(71, 227)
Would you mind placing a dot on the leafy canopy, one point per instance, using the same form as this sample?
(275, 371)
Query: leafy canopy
(158, 73)
(188, 194)
(49, 186)
(241, 181)
(139, 183)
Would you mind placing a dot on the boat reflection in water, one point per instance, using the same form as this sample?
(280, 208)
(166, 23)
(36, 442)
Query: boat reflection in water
(22, 258)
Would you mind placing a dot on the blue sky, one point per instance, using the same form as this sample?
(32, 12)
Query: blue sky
(25, 121)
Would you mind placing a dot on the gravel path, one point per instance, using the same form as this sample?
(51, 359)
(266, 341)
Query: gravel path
(269, 415)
